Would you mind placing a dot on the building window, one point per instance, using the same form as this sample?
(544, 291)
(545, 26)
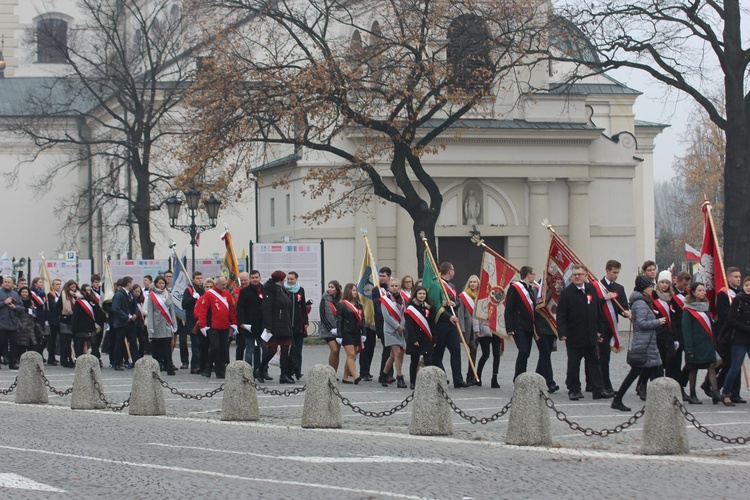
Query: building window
(273, 212)
(288, 209)
(52, 40)
(469, 53)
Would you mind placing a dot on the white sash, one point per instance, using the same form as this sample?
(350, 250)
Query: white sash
(39, 301)
(420, 320)
(220, 297)
(662, 306)
(405, 296)
(679, 300)
(523, 292)
(392, 307)
(468, 302)
(87, 307)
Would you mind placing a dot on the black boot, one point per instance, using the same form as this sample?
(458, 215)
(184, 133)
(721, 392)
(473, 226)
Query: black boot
(266, 376)
(383, 379)
(400, 382)
(470, 378)
(618, 405)
(258, 376)
(494, 383)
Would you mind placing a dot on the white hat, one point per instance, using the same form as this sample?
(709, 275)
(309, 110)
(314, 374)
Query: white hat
(665, 276)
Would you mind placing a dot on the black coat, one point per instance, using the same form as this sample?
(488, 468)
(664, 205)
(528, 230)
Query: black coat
(53, 312)
(82, 322)
(349, 327)
(188, 305)
(739, 319)
(579, 316)
(517, 317)
(622, 299)
(675, 312)
(415, 334)
(277, 311)
(250, 308)
(299, 311)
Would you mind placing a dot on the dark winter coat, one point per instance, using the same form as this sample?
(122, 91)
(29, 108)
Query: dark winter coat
(697, 341)
(25, 313)
(579, 316)
(349, 327)
(328, 313)
(645, 326)
(415, 334)
(277, 311)
(739, 319)
(82, 323)
(250, 308)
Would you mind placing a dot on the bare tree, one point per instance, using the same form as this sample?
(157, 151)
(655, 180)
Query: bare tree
(126, 67)
(370, 86)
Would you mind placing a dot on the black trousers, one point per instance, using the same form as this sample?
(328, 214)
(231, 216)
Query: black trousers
(5, 336)
(205, 344)
(218, 351)
(573, 377)
(365, 357)
(651, 373)
(284, 362)
(54, 332)
(184, 352)
(161, 351)
(605, 354)
(489, 344)
(415, 364)
(446, 337)
(523, 343)
(118, 349)
(66, 347)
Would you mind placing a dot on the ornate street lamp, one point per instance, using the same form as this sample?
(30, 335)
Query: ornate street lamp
(193, 198)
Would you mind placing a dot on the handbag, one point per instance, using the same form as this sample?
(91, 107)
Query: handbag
(638, 357)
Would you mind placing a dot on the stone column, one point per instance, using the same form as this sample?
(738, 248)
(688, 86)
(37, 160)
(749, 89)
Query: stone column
(538, 234)
(579, 220)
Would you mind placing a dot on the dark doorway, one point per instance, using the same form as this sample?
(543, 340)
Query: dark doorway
(466, 256)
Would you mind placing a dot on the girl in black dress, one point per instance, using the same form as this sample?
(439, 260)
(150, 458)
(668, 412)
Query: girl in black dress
(418, 332)
(350, 327)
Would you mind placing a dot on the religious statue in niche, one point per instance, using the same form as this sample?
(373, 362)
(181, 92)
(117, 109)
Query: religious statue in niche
(472, 208)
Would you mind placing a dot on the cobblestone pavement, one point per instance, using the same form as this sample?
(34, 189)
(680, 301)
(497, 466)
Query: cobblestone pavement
(190, 453)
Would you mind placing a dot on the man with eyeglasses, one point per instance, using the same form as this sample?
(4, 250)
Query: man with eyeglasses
(580, 318)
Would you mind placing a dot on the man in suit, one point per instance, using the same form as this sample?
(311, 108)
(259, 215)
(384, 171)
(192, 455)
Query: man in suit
(519, 316)
(579, 322)
(611, 313)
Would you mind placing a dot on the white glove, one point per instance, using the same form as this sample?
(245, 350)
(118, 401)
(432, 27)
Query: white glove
(334, 331)
(676, 345)
(339, 340)
(46, 323)
(234, 329)
(204, 331)
(247, 327)
(196, 295)
(364, 339)
(174, 328)
(151, 331)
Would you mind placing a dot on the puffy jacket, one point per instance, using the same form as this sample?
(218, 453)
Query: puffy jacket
(8, 316)
(327, 310)
(645, 325)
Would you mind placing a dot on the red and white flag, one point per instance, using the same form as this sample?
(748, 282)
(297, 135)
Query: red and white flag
(692, 254)
(497, 276)
(711, 269)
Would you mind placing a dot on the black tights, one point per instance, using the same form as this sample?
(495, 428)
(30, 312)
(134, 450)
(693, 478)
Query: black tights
(651, 373)
(284, 361)
(415, 364)
(494, 343)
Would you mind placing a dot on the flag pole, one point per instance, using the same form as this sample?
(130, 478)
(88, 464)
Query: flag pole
(172, 246)
(477, 239)
(453, 312)
(546, 224)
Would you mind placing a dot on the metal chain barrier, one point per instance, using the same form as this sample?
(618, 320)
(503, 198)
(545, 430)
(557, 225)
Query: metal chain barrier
(185, 395)
(52, 389)
(7, 391)
(471, 418)
(403, 404)
(110, 406)
(708, 432)
(588, 431)
(274, 392)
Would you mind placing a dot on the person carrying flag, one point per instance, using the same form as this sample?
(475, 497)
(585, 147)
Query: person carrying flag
(446, 331)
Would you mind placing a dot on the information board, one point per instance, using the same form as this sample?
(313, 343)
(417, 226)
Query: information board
(305, 258)
(64, 270)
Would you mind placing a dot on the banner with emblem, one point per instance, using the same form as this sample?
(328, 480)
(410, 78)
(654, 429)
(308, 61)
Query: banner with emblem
(368, 279)
(711, 269)
(230, 269)
(496, 276)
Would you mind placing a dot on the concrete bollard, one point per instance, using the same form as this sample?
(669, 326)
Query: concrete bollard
(528, 424)
(31, 389)
(146, 396)
(85, 395)
(664, 430)
(322, 408)
(240, 401)
(431, 415)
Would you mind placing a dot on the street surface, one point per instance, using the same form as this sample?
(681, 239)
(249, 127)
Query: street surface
(50, 451)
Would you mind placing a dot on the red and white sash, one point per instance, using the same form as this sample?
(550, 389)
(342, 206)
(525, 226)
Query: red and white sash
(704, 321)
(609, 313)
(139, 309)
(221, 298)
(39, 301)
(393, 308)
(451, 291)
(97, 298)
(354, 309)
(405, 296)
(420, 320)
(87, 307)
(162, 307)
(679, 300)
(468, 302)
(663, 307)
(523, 293)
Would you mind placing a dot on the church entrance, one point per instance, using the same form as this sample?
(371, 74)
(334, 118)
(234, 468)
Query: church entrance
(465, 256)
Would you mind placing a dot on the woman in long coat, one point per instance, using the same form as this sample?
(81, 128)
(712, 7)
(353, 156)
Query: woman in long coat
(277, 321)
(161, 324)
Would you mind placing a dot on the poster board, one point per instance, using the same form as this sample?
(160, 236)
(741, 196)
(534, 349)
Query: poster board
(65, 270)
(137, 269)
(305, 258)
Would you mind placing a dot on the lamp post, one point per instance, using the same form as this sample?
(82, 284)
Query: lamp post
(193, 198)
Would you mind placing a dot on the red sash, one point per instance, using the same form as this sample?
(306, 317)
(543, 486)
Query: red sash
(39, 301)
(468, 302)
(392, 307)
(354, 309)
(97, 299)
(451, 291)
(405, 296)
(663, 308)
(333, 307)
(420, 320)
(87, 307)
(609, 313)
(139, 309)
(523, 293)
(704, 320)
(162, 307)
(679, 300)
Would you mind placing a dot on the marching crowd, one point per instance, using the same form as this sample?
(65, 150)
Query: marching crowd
(669, 318)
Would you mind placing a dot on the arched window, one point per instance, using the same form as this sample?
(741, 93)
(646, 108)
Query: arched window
(376, 33)
(469, 53)
(356, 40)
(51, 40)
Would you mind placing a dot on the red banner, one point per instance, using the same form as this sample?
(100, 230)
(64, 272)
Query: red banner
(711, 269)
(497, 275)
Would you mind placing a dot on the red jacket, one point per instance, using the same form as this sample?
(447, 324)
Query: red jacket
(215, 313)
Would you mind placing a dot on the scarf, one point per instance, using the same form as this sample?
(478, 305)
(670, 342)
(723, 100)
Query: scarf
(293, 289)
(470, 293)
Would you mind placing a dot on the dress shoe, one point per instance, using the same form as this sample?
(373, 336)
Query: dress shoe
(358, 380)
(184, 366)
(53, 363)
(298, 375)
(493, 383)
(390, 380)
(206, 374)
(693, 400)
(119, 368)
(579, 394)
(347, 381)
(726, 400)
(603, 395)
(738, 399)
(285, 380)
(716, 398)
(266, 376)
(618, 405)
(553, 388)
(193, 371)
(170, 372)
(609, 392)
(459, 384)
(367, 378)
(706, 387)
(573, 395)
(411, 386)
